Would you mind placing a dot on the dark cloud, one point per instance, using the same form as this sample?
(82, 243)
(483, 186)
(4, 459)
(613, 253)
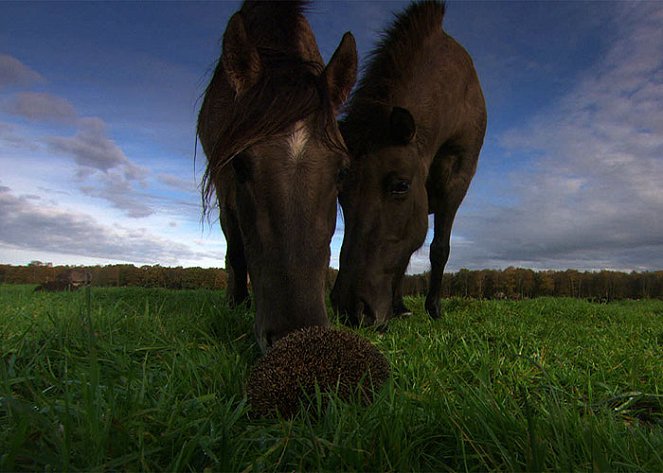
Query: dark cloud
(14, 73)
(40, 106)
(31, 225)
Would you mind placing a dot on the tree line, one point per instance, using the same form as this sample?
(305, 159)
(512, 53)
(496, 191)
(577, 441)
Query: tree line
(509, 283)
(121, 275)
(520, 283)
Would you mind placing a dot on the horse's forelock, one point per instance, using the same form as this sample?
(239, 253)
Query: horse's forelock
(291, 91)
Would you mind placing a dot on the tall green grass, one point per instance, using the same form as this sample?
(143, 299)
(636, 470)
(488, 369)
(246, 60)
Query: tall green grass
(153, 380)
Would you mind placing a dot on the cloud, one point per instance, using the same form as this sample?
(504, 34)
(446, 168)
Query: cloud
(117, 189)
(30, 223)
(104, 170)
(186, 185)
(10, 136)
(590, 194)
(40, 106)
(14, 73)
(91, 148)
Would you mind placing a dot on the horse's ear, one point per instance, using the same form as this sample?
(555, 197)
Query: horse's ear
(241, 60)
(401, 125)
(341, 71)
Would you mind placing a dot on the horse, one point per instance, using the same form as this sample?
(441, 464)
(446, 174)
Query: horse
(67, 280)
(267, 125)
(414, 128)
(56, 286)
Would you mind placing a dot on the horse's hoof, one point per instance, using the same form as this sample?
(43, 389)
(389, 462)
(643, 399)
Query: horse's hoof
(401, 310)
(433, 311)
(382, 328)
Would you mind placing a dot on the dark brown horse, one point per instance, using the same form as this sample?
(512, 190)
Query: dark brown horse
(414, 128)
(267, 125)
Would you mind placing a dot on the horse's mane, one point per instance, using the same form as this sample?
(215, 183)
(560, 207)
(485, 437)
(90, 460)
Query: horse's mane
(390, 62)
(289, 90)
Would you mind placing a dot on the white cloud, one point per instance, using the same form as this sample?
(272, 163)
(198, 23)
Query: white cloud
(73, 178)
(103, 170)
(30, 223)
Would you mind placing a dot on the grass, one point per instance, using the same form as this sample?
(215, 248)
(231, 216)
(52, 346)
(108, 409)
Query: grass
(153, 380)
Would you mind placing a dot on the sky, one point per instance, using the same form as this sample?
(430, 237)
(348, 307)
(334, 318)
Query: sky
(98, 107)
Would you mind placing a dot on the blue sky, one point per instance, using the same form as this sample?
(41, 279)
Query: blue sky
(98, 103)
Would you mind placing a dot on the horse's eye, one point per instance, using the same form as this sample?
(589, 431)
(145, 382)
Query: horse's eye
(399, 187)
(242, 168)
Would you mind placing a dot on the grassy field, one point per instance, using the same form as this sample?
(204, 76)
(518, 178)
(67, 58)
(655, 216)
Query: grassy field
(153, 380)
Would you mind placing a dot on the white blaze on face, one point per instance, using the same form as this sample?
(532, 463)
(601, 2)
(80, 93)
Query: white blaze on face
(297, 141)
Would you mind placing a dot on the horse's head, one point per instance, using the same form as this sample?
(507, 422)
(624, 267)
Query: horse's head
(281, 176)
(385, 210)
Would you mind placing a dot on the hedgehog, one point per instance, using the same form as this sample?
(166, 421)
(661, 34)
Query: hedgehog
(335, 360)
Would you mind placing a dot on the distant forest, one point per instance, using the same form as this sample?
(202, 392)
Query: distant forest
(510, 283)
